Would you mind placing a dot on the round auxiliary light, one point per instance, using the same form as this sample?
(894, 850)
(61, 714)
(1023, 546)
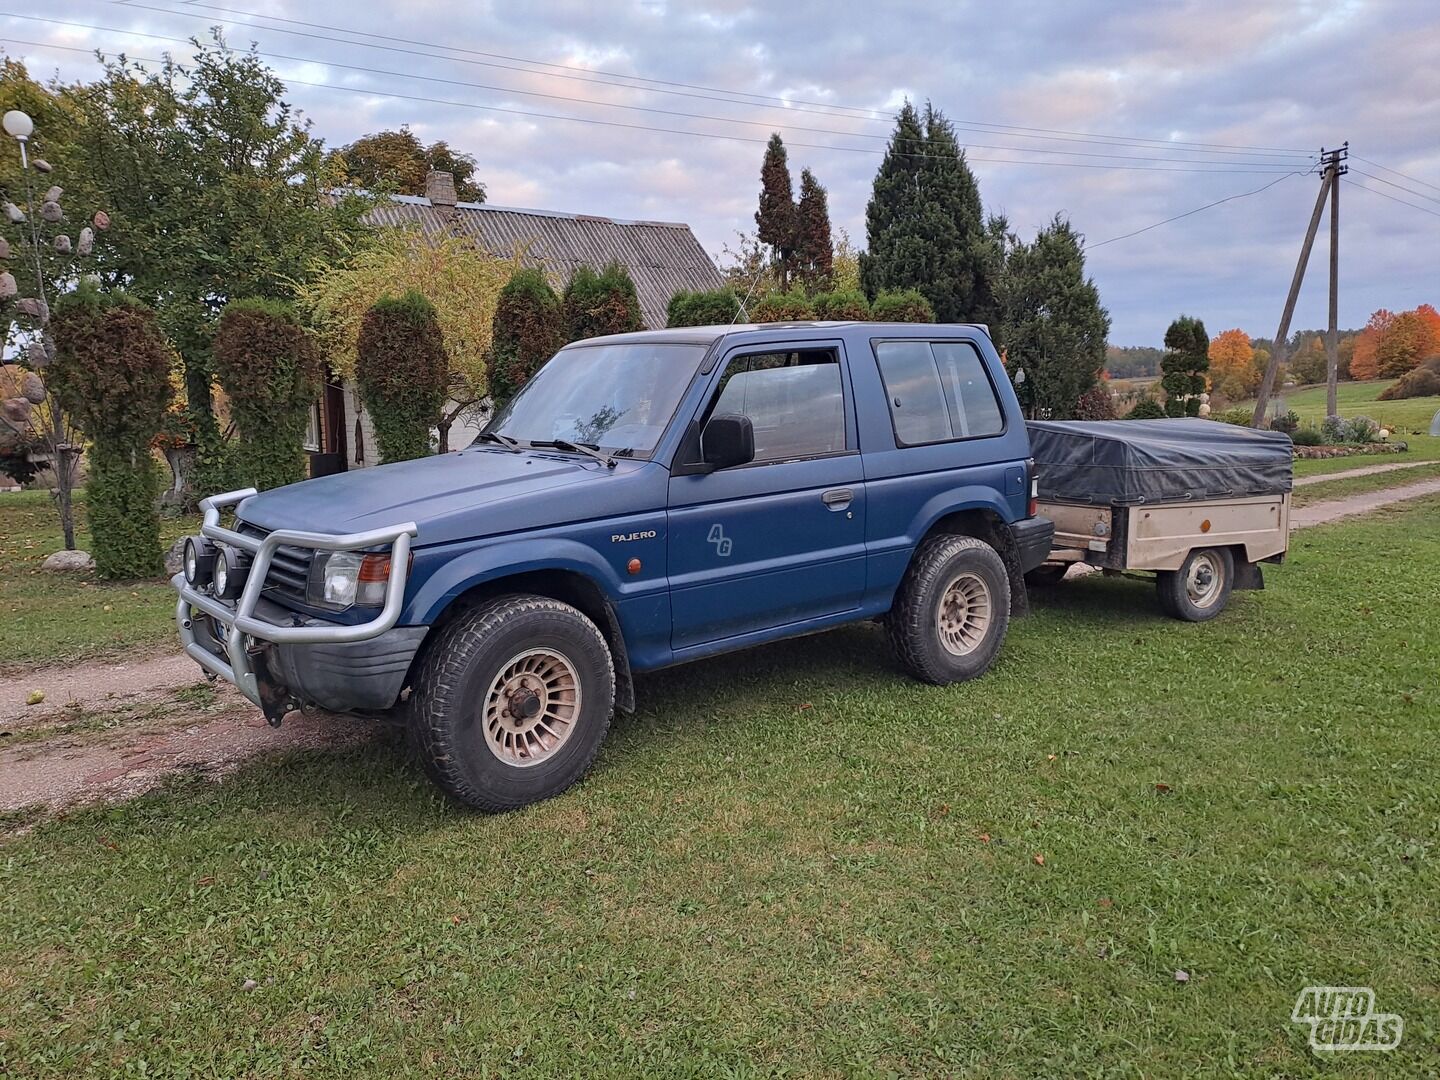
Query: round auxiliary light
(230, 570)
(199, 561)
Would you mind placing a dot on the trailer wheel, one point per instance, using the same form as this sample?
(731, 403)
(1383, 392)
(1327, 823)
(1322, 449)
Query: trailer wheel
(951, 611)
(512, 702)
(1201, 587)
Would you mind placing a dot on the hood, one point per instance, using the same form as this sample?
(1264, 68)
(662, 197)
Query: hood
(475, 492)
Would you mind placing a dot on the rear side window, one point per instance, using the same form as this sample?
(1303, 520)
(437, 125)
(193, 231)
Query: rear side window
(938, 391)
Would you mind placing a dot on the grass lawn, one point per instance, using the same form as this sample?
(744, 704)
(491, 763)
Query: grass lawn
(62, 618)
(1360, 399)
(795, 861)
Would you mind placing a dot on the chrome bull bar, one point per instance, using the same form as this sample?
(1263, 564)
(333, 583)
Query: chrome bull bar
(241, 624)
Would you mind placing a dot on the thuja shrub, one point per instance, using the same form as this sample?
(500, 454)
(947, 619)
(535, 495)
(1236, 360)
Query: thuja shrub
(601, 303)
(269, 367)
(528, 330)
(717, 307)
(792, 306)
(905, 305)
(400, 366)
(112, 375)
(843, 304)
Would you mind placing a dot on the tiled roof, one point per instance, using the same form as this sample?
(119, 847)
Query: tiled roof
(662, 257)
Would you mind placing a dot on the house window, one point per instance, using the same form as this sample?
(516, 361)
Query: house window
(312, 430)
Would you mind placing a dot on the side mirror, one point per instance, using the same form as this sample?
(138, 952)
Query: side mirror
(728, 440)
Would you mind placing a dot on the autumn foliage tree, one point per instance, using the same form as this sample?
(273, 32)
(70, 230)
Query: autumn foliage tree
(1232, 365)
(269, 367)
(112, 375)
(1393, 343)
(529, 329)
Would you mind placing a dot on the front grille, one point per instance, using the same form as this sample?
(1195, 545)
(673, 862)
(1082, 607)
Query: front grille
(289, 567)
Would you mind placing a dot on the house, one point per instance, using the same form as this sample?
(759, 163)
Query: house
(663, 258)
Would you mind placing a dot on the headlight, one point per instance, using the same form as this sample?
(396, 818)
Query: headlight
(231, 569)
(199, 561)
(344, 579)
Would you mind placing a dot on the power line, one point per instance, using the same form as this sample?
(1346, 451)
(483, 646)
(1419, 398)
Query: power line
(1189, 213)
(1399, 187)
(658, 85)
(1392, 198)
(1396, 172)
(530, 114)
(633, 108)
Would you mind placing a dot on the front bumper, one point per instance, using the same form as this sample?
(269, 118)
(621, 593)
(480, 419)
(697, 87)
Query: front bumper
(234, 641)
(1033, 539)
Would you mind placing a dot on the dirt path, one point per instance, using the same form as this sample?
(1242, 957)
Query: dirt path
(1322, 512)
(113, 731)
(93, 685)
(1368, 470)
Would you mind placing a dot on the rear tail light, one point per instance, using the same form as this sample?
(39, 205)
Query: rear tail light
(1034, 507)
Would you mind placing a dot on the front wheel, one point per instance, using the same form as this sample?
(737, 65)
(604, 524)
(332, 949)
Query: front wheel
(1198, 591)
(512, 702)
(951, 611)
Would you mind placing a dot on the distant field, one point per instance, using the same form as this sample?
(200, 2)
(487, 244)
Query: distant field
(1361, 398)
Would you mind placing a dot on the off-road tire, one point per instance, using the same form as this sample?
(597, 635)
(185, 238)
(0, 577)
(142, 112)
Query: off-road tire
(446, 724)
(1174, 593)
(913, 625)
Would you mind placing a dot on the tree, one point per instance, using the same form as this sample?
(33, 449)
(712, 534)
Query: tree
(1147, 408)
(604, 303)
(1364, 361)
(1307, 364)
(717, 307)
(401, 368)
(396, 161)
(112, 374)
(925, 224)
(1051, 319)
(814, 257)
(844, 264)
(1408, 340)
(218, 191)
(269, 367)
(462, 281)
(1187, 358)
(776, 217)
(529, 329)
(1232, 364)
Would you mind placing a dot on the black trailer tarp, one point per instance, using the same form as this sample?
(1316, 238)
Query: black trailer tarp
(1127, 462)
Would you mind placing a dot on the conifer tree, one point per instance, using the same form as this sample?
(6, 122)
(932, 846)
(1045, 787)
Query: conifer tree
(1183, 367)
(776, 216)
(813, 252)
(1052, 322)
(925, 224)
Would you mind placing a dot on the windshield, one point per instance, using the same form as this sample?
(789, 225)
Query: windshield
(616, 397)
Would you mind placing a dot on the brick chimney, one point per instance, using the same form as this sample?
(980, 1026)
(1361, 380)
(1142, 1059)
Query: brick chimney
(440, 188)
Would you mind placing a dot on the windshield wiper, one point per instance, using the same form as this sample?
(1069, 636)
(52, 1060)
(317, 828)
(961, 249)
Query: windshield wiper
(513, 445)
(590, 450)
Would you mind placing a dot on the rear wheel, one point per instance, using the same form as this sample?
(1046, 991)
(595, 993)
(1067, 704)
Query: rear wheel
(512, 702)
(1199, 590)
(951, 610)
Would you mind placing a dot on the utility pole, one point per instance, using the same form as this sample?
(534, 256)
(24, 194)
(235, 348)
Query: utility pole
(1329, 179)
(1337, 168)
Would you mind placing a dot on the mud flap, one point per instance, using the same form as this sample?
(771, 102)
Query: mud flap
(276, 700)
(1248, 576)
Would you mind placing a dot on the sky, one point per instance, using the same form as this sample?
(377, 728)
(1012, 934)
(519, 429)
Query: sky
(1160, 102)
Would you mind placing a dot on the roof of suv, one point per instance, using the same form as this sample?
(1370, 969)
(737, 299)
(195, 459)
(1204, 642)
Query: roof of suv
(710, 334)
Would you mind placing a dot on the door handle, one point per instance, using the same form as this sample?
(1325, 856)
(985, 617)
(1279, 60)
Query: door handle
(837, 498)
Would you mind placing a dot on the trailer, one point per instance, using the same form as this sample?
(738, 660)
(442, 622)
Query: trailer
(1198, 503)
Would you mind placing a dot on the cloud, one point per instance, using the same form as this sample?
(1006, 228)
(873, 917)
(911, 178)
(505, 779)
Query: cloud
(1287, 73)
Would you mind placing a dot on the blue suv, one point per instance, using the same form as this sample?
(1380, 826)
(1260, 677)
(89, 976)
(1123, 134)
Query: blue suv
(645, 500)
